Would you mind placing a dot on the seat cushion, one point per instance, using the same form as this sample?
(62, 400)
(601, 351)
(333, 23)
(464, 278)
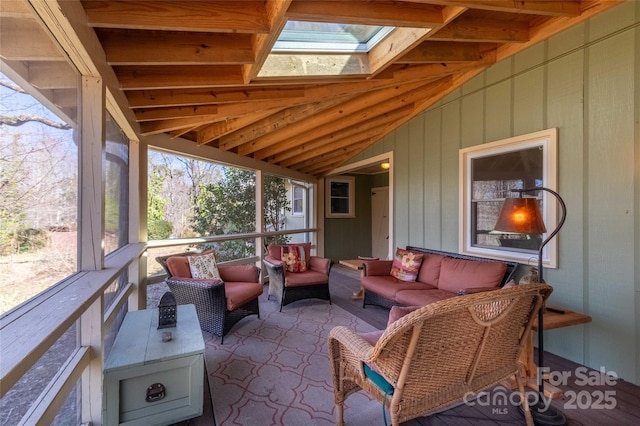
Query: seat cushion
(239, 293)
(457, 274)
(387, 286)
(430, 269)
(308, 277)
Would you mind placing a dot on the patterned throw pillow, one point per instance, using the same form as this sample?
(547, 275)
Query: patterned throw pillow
(406, 265)
(204, 267)
(294, 257)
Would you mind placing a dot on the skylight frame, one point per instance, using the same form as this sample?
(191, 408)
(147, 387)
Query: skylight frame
(312, 42)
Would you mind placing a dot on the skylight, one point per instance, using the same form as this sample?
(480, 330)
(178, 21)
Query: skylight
(301, 36)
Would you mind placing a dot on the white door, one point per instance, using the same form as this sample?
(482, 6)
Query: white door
(380, 222)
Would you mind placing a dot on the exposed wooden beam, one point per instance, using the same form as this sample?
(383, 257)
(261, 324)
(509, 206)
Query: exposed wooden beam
(325, 143)
(545, 7)
(396, 44)
(551, 27)
(275, 122)
(52, 75)
(483, 30)
(178, 76)
(164, 98)
(441, 51)
(263, 43)
(24, 40)
(389, 13)
(334, 114)
(222, 128)
(175, 112)
(135, 47)
(212, 16)
(336, 158)
(343, 116)
(156, 127)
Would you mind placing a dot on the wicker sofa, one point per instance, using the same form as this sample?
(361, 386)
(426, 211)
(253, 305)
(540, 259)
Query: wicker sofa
(442, 275)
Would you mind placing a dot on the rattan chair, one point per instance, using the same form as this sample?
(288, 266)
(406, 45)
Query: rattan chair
(287, 287)
(433, 357)
(220, 304)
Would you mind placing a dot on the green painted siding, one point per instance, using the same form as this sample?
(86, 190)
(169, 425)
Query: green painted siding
(350, 238)
(586, 82)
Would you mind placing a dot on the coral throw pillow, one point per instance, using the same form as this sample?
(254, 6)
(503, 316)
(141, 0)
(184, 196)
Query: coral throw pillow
(294, 258)
(406, 265)
(204, 267)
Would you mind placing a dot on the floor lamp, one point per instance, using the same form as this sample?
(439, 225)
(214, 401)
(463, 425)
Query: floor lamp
(523, 216)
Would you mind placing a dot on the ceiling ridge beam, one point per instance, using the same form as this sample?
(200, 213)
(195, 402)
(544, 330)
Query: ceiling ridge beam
(276, 122)
(337, 112)
(347, 115)
(304, 151)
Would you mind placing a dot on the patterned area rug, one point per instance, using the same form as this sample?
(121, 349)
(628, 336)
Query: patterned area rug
(275, 370)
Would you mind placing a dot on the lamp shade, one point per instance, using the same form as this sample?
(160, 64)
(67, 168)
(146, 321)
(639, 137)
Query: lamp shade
(521, 216)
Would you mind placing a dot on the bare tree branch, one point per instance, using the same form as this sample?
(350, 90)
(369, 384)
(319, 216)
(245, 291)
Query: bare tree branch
(22, 119)
(11, 85)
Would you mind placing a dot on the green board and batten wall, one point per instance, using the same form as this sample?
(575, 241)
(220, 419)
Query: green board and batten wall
(585, 82)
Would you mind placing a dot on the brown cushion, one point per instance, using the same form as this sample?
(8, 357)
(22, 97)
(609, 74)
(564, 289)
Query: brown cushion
(179, 265)
(430, 269)
(387, 286)
(456, 274)
(308, 277)
(247, 273)
(239, 293)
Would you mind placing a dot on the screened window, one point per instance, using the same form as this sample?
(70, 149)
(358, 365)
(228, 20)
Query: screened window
(298, 199)
(38, 183)
(116, 187)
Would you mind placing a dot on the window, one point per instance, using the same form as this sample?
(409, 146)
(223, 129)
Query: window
(298, 199)
(301, 36)
(340, 197)
(489, 173)
(116, 197)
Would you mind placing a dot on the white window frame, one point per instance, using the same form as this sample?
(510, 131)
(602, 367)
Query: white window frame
(293, 199)
(351, 181)
(547, 140)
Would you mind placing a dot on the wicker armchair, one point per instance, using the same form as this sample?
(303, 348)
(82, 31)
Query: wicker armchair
(288, 287)
(219, 304)
(432, 357)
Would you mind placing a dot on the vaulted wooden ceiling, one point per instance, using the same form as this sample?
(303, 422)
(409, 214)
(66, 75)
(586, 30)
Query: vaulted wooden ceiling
(191, 68)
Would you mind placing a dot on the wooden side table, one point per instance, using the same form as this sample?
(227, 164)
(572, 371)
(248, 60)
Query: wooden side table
(148, 381)
(553, 317)
(356, 264)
